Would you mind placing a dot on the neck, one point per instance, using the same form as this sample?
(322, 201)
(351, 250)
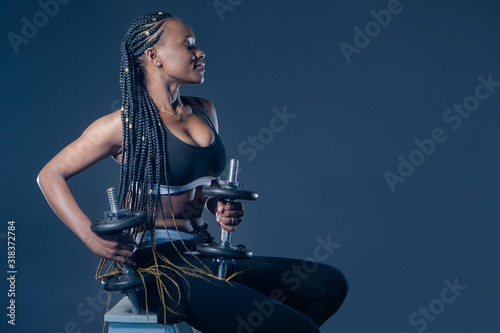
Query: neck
(163, 94)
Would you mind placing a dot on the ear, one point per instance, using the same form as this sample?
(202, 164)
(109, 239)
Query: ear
(152, 56)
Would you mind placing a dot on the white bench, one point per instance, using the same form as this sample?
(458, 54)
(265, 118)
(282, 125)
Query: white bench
(122, 320)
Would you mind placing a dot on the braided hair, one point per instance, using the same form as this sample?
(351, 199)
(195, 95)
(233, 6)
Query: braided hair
(144, 160)
(144, 139)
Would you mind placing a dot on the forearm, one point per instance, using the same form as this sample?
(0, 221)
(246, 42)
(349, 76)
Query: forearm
(211, 203)
(60, 198)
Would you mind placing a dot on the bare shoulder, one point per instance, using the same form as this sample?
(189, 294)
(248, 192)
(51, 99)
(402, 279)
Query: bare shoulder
(101, 139)
(105, 135)
(210, 109)
(110, 122)
(108, 127)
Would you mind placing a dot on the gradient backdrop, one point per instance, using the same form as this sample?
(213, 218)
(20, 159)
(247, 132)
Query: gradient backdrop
(346, 121)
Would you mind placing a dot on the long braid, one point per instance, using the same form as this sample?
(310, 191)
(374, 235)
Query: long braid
(139, 118)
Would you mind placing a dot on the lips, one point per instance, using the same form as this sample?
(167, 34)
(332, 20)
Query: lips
(200, 66)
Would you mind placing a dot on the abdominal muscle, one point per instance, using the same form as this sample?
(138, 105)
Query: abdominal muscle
(187, 208)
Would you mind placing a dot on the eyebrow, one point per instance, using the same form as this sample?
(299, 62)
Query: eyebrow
(188, 36)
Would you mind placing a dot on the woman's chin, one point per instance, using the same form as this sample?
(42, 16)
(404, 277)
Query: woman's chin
(198, 81)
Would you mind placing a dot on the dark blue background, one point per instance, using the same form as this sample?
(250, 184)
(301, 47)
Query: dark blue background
(321, 176)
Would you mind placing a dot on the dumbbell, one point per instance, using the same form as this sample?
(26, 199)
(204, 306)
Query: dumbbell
(120, 221)
(224, 253)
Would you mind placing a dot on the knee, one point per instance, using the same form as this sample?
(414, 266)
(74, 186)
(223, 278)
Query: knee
(336, 283)
(341, 281)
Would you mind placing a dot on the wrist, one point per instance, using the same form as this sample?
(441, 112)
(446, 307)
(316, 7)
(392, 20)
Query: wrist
(86, 235)
(211, 205)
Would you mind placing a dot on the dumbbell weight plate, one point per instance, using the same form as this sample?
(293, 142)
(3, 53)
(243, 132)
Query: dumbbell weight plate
(111, 225)
(218, 251)
(119, 282)
(229, 193)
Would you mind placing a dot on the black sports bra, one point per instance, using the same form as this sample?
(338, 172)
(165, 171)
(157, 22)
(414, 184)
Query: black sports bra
(192, 166)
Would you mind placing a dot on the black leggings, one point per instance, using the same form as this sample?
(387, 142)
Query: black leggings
(270, 295)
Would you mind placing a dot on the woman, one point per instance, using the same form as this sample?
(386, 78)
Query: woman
(168, 147)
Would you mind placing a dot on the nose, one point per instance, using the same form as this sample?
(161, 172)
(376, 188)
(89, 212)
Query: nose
(200, 55)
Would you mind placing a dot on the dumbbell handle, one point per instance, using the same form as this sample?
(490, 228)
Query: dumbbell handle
(233, 177)
(114, 209)
(128, 270)
(225, 239)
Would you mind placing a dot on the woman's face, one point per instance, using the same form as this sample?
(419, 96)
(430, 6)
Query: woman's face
(180, 59)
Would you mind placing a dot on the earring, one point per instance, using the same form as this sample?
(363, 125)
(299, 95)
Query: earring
(158, 64)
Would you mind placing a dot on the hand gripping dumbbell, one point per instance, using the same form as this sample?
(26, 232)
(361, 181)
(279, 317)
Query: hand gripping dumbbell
(224, 253)
(120, 221)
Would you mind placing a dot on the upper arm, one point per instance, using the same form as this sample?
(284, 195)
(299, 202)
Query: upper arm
(101, 139)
